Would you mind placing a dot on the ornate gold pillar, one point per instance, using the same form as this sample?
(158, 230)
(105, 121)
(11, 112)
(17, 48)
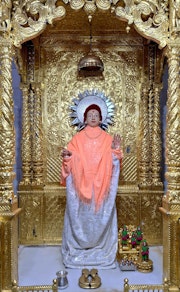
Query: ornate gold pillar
(7, 138)
(171, 201)
(26, 138)
(8, 202)
(144, 153)
(32, 154)
(31, 188)
(37, 147)
(156, 138)
(150, 148)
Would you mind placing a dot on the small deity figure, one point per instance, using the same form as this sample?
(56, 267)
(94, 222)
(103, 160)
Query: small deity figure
(139, 235)
(125, 236)
(133, 240)
(145, 251)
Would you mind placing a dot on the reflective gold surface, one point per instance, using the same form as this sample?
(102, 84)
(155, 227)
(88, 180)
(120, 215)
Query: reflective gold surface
(133, 66)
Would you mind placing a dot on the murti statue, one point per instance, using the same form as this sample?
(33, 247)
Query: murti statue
(90, 172)
(125, 236)
(139, 235)
(133, 240)
(145, 251)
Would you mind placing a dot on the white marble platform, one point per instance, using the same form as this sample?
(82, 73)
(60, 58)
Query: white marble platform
(38, 265)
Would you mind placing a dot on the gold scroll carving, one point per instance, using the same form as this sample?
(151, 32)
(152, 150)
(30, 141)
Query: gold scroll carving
(30, 18)
(149, 18)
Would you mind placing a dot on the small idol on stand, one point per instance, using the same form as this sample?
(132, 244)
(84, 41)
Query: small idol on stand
(145, 251)
(133, 240)
(139, 236)
(125, 236)
(144, 264)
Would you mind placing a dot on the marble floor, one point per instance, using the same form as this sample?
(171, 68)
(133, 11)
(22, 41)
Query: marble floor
(38, 266)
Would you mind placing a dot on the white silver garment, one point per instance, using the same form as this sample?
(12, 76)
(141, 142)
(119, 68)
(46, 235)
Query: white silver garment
(90, 238)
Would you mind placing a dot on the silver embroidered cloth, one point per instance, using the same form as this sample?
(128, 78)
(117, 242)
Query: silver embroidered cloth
(90, 238)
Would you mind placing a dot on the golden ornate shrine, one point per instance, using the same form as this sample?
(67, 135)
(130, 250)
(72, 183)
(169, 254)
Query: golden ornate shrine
(47, 39)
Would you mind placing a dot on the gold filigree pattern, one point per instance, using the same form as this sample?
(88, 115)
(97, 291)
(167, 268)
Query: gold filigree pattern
(125, 202)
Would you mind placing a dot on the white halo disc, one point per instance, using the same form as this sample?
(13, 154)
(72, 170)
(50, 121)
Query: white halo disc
(87, 101)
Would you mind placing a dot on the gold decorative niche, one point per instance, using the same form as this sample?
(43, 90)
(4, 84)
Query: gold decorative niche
(131, 66)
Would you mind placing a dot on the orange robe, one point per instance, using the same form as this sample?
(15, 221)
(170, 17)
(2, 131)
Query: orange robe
(90, 164)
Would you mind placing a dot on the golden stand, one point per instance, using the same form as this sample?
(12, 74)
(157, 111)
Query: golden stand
(145, 267)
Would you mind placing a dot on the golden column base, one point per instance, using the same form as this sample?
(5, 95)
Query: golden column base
(8, 244)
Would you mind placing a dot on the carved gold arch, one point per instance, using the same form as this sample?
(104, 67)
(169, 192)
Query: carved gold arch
(158, 21)
(24, 20)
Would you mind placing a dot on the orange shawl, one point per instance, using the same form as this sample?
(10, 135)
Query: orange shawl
(90, 164)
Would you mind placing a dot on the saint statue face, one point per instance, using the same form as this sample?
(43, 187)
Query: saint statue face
(93, 118)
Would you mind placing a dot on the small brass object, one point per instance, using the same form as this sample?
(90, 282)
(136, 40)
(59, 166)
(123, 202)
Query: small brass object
(89, 279)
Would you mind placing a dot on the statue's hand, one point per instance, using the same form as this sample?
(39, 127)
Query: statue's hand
(66, 153)
(116, 143)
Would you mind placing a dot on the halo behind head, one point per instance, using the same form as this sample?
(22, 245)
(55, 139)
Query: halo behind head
(88, 98)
